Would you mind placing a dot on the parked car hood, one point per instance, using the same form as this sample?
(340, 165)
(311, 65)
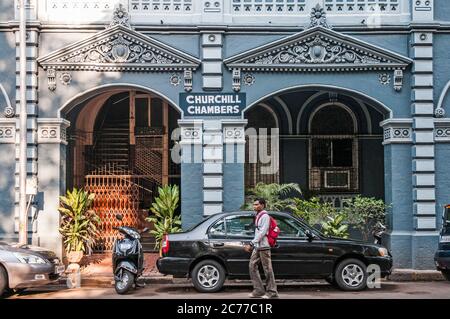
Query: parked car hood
(28, 249)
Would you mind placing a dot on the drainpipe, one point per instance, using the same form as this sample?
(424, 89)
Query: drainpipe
(23, 214)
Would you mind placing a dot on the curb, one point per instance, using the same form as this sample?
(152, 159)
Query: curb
(416, 275)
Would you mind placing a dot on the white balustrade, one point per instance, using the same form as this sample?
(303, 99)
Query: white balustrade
(240, 12)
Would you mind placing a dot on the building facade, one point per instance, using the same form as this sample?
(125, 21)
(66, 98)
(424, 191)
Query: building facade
(124, 96)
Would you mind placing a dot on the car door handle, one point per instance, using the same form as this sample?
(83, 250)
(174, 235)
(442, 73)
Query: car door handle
(218, 244)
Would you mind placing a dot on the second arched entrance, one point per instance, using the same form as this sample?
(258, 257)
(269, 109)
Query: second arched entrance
(329, 142)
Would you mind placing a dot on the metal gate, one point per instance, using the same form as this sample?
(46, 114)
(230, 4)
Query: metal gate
(115, 193)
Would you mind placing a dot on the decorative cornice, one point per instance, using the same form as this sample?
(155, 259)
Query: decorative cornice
(318, 49)
(52, 130)
(191, 131)
(442, 130)
(234, 131)
(397, 131)
(119, 49)
(7, 131)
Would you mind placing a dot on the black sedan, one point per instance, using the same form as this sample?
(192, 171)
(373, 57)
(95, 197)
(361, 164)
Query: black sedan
(214, 250)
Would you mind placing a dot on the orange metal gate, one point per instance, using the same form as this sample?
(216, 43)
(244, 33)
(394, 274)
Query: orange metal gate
(114, 194)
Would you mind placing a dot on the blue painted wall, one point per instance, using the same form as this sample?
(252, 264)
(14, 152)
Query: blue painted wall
(398, 186)
(398, 43)
(233, 179)
(188, 43)
(7, 190)
(398, 192)
(8, 67)
(6, 11)
(441, 10)
(7, 151)
(191, 194)
(238, 43)
(442, 178)
(441, 70)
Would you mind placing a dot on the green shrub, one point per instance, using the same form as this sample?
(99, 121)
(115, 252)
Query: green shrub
(364, 212)
(312, 211)
(79, 224)
(164, 220)
(335, 226)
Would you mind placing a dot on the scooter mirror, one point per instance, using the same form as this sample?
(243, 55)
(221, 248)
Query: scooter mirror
(119, 217)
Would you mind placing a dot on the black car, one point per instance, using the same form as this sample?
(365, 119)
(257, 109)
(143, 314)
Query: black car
(213, 251)
(442, 256)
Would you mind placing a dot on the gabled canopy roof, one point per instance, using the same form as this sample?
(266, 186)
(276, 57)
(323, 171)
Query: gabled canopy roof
(119, 48)
(318, 49)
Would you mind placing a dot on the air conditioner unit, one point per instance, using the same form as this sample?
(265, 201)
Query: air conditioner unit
(337, 179)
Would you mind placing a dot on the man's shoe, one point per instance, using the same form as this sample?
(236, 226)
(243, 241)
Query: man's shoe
(255, 295)
(270, 296)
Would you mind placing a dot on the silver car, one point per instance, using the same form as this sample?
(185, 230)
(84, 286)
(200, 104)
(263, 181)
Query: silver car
(27, 266)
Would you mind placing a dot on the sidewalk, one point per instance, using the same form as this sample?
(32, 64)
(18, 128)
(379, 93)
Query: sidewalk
(106, 279)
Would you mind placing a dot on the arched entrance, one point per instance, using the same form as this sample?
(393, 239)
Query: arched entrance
(119, 150)
(330, 142)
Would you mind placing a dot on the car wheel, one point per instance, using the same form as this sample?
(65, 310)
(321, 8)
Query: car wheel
(124, 284)
(3, 281)
(208, 276)
(351, 275)
(446, 274)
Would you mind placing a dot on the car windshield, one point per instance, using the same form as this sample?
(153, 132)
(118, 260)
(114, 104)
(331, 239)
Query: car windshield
(314, 230)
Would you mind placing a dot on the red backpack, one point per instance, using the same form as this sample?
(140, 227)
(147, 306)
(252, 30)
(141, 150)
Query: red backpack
(274, 230)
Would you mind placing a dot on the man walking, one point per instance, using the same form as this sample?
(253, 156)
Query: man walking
(260, 249)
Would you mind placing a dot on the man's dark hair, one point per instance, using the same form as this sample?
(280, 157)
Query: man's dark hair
(262, 201)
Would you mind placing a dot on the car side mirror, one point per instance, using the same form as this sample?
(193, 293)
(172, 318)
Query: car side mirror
(309, 235)
(248, 227)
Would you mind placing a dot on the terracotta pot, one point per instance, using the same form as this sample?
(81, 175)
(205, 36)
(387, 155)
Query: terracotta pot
(74, 256)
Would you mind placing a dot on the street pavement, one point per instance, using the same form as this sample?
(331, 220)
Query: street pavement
(303, 290)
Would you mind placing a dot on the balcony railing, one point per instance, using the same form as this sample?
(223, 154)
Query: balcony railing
(231, 12)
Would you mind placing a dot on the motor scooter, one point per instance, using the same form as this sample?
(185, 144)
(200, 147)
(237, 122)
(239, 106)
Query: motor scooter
(378, 232)
(127, 258)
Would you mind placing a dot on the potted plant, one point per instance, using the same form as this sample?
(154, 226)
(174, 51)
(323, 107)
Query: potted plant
(79, 223)
(164, 219)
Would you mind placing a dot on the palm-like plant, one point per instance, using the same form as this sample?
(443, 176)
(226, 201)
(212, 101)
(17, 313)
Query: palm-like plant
(79, 223)
(164, 220)
(276, 195)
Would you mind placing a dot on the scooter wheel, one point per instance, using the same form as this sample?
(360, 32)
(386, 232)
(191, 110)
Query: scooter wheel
(125, 283)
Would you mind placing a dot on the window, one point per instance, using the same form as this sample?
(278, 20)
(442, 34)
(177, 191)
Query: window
(240, 226)
(289, 228)
(333, 148)
(332, 152)
(218, 229)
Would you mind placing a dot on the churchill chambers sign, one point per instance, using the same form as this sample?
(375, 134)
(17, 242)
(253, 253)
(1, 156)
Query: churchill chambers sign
(212, 104)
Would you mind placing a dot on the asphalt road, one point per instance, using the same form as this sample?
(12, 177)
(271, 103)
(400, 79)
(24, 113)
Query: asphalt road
(307, 290)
